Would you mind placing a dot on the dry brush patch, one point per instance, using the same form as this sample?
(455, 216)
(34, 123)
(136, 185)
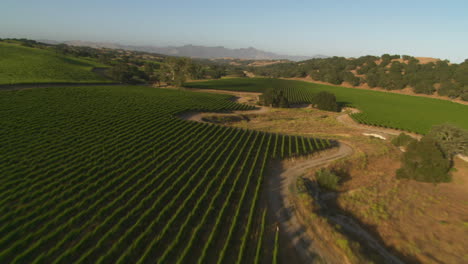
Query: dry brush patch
(421, 221)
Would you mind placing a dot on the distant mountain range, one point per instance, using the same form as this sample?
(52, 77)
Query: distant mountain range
(194, 51)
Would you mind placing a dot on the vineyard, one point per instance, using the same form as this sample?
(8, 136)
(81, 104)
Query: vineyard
(111, 175)
(24, 65)
(403, 112)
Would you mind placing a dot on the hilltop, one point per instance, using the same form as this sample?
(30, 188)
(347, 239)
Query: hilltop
(26, 65)
(415, 75)
(194, 51)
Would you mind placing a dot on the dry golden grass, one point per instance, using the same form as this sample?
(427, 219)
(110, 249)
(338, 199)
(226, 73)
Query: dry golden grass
(427, 222)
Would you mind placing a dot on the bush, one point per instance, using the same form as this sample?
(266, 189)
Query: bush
(274, 98)
(402, 140)
(327, 179)
(425, 161)
(449, 89)
(326, 101)
(464, 95)
(424, 88)
(451, 139)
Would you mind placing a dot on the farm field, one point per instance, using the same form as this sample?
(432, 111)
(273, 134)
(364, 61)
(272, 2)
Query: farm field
(24, 65)
(111, 175)
(410, 113)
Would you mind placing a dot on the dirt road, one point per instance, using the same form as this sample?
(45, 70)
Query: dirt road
(278, 184)
(280, 202)
(198, 116)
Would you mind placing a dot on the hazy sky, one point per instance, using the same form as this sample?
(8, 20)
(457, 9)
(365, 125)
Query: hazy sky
(330, 27)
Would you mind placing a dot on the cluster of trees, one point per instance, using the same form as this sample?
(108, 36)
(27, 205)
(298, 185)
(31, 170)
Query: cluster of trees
(391, 72)
(326, 101)
(430, 159)
(274, 98)
(172, 71)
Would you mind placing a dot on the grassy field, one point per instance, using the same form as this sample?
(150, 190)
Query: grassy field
(410, 113)
(24, 65)
(111, 175)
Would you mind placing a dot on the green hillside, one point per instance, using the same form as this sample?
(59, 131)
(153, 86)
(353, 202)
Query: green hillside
(24, 65)
(411, 113)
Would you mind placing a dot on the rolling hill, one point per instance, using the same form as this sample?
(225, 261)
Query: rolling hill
(195, 51)
(410, 113)
(25, 65)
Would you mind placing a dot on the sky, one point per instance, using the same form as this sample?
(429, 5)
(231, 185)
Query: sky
(329, 27)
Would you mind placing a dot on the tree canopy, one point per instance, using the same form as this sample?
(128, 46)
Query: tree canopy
(274, 98)
(451, 139)
(326, 101)
(425, 161)
(391, 72)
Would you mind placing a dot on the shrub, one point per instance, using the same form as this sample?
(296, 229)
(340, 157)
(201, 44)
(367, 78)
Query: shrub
(424, 88)
(274, 98)
(402, 140)
(327, 179)
(326, 101)
(451, 139)
(425, 161)
(449, 89)
(464, 95)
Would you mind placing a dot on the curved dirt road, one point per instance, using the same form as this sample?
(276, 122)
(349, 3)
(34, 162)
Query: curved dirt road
(279, 200)
(279, 196)
(198, 116)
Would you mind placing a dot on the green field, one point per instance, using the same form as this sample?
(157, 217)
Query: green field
(24, 65)
(111, 175)
(410, 113)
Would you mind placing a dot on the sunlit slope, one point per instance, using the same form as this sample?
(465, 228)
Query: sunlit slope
(24, 65)
(411, 113)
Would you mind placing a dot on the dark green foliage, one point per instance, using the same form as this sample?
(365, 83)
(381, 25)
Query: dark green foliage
(327, 179)
(125, 73)
(425, 87)
(274, 98)
(216, 71)
(425, 161)
(464, 95)
(326, 101)
(402, 140)
(451, 139)
(196, 71)
(389, 74)
(461, 73)
(351, 78)
(447, 88)
(367, 67)
(406, 57)
(332, 77)
(372, 79)
(175, 71)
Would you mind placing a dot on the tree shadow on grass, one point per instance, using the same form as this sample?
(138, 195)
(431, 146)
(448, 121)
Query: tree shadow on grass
(362, 238)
